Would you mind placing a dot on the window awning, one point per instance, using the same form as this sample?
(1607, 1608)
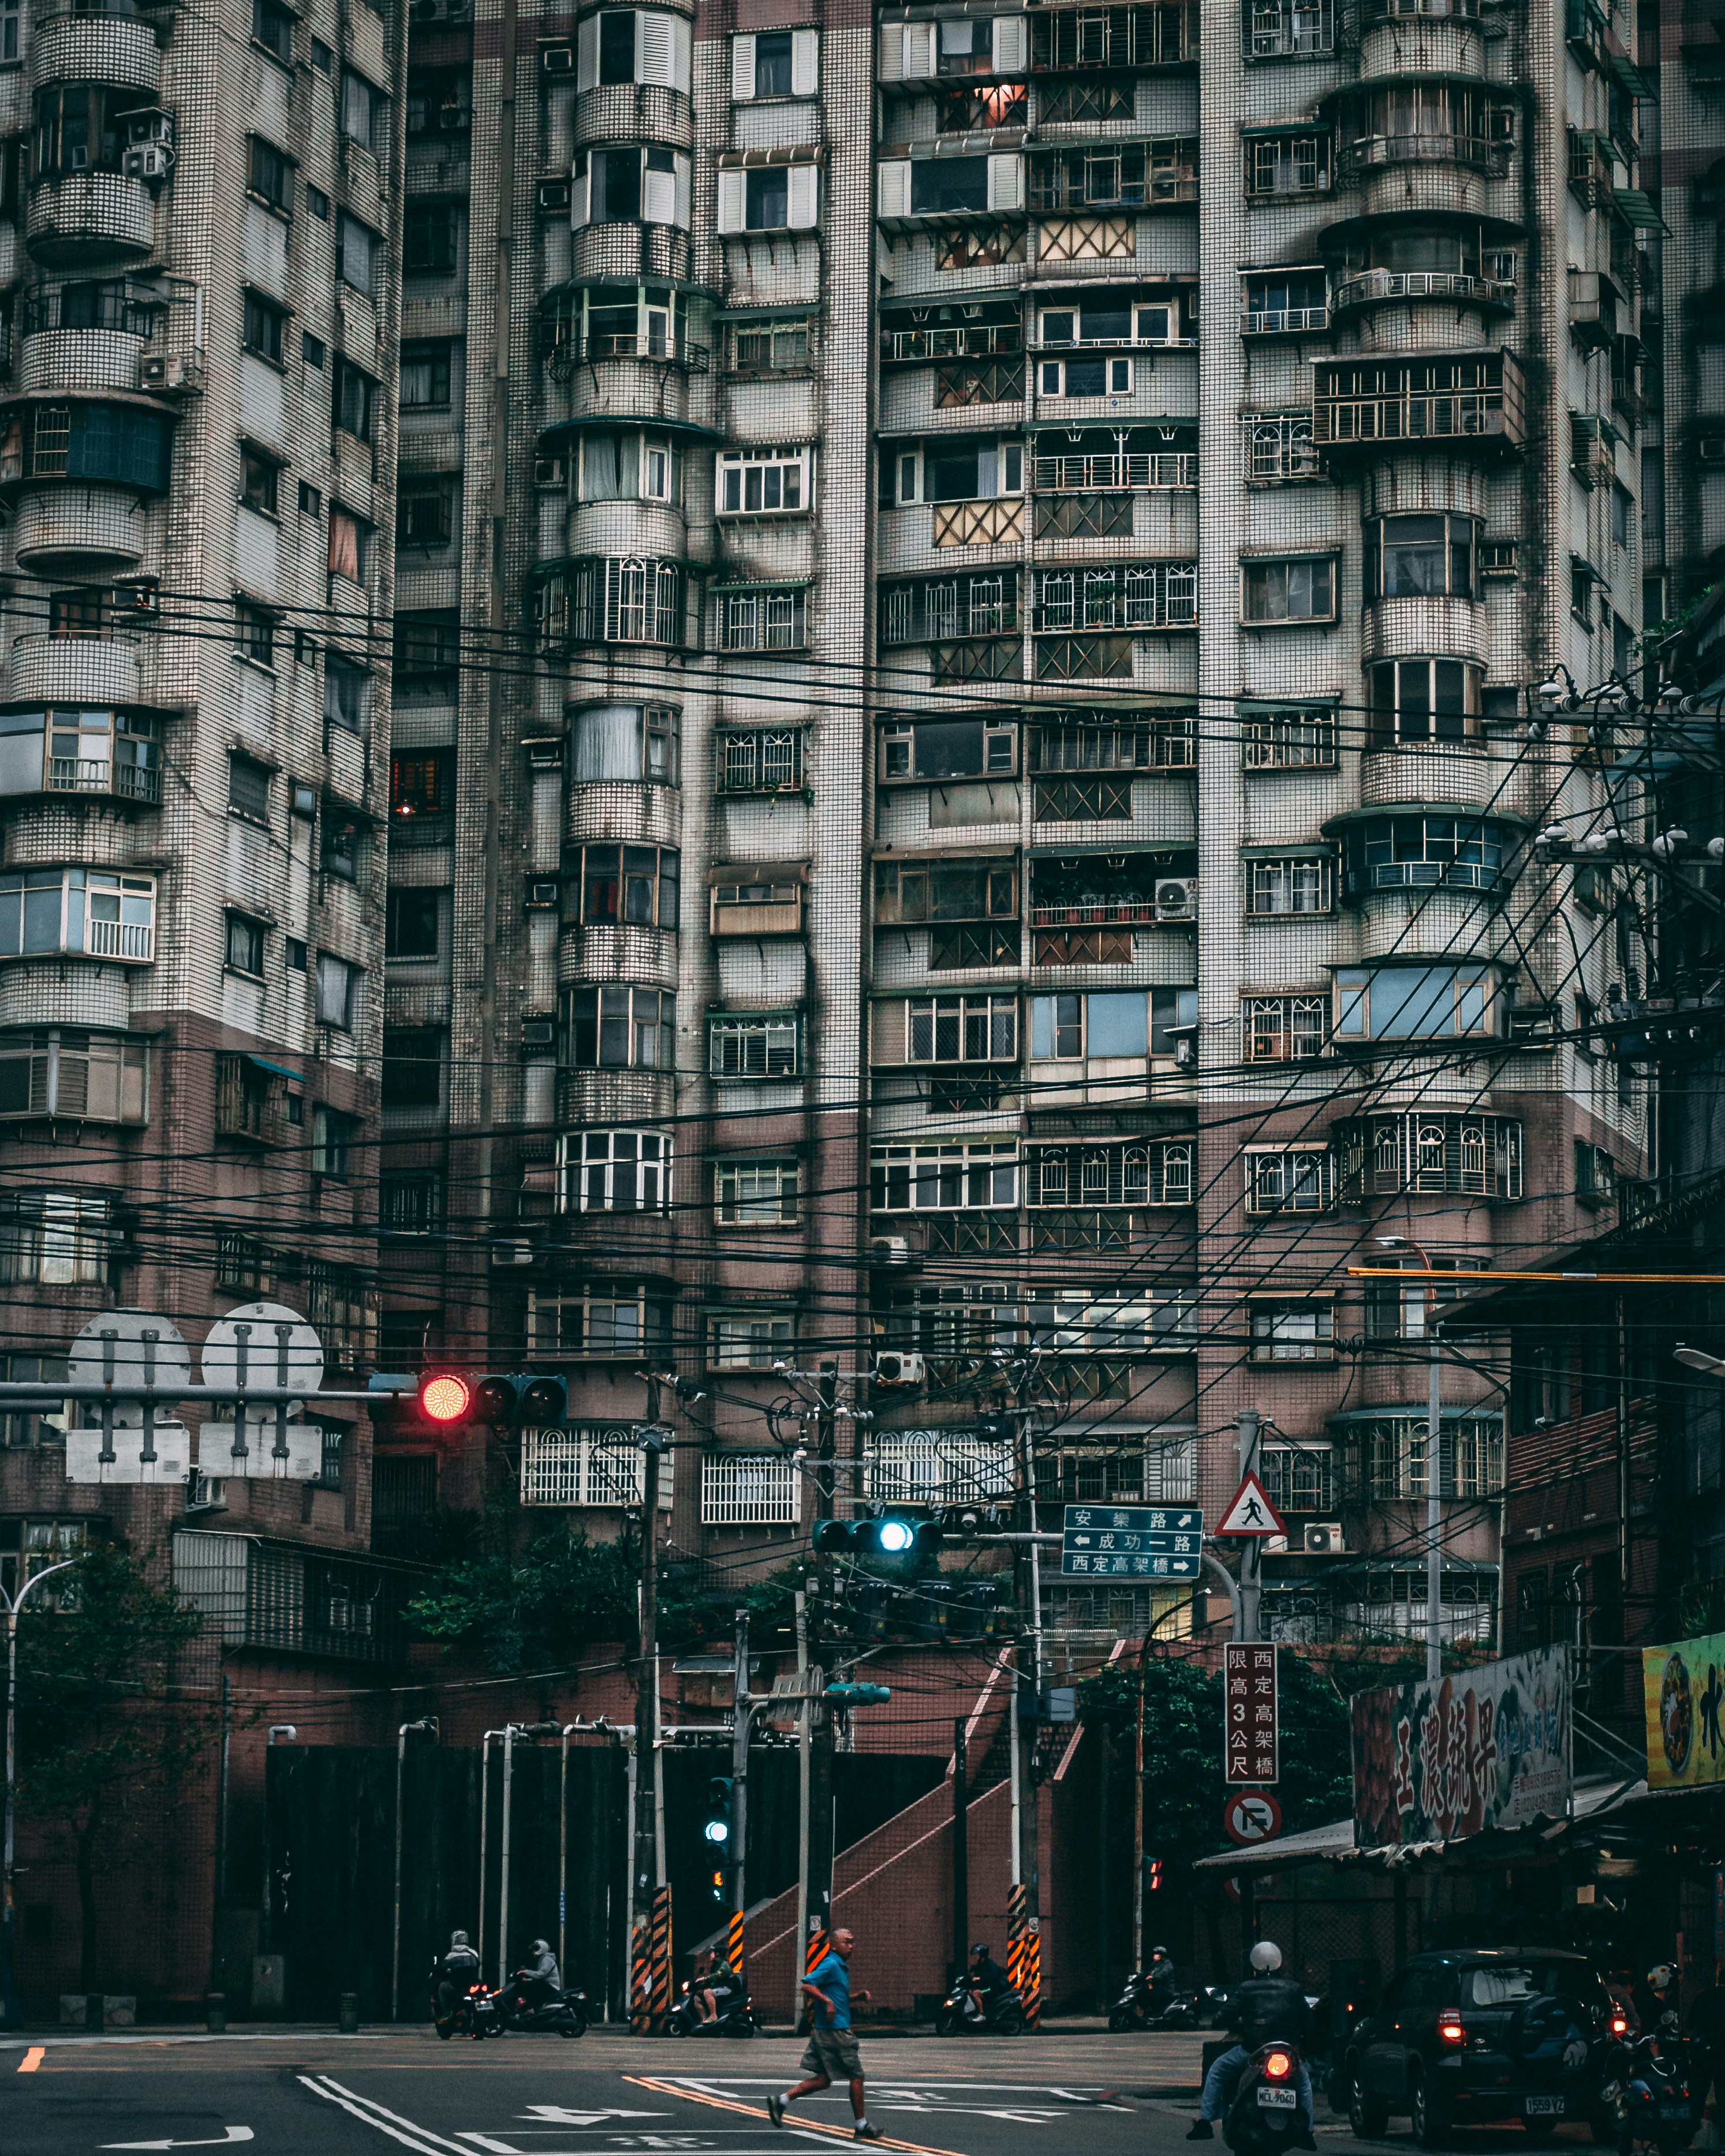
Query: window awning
(764, 584)
(1636, 208)
(799, 153)
(745, 872)
(276, 1069)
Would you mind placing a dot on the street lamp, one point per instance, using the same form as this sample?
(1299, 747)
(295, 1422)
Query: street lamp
(10, 1606)
(1698, 1358)
(1434, 1453)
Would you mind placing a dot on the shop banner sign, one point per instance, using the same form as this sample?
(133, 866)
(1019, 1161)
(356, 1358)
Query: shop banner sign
(1683, 1690)
(1476, 1749)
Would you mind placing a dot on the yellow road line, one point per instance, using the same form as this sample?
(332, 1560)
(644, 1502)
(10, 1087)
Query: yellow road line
(750, 2111)
(32, 2058)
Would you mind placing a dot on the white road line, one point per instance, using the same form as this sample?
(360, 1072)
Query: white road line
(428, 2140)
(239, 2036)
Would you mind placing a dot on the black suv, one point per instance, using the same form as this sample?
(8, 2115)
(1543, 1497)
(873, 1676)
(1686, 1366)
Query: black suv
(1480, 2034)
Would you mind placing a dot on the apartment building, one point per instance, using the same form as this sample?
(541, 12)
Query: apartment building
(970, 587)
(196, 439)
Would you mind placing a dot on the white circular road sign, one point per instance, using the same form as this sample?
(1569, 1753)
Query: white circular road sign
(128, 1347)
(279, 1348)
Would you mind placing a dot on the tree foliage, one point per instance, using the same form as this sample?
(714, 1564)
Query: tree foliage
(98, 1733)
(1185, 1790)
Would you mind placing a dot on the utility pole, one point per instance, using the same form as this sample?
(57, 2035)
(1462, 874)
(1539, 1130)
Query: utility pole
(817, 1867)
(12, 1605)
(1434, 1494)
(961, 1850)
(219, 1884)
(649, 1983)
(1251, 1557)
(743, 1722)
(1024, 1918)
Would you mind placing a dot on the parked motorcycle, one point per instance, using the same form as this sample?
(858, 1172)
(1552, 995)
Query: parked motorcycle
(557, 2013)
(475, 2015)
(1001, 2014)
(1262, 2117)
(735, 2015)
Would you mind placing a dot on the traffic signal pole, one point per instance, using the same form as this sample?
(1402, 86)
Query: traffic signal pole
(1024, 1952)
(649, 1940)
(816, 1849)
(741, 1725)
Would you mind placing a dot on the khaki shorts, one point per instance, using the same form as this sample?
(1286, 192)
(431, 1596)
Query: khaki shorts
(832, 2052)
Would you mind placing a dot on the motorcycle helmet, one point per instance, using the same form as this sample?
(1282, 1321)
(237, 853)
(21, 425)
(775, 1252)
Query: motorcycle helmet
(458, 1939)
(1266, 1957)
(539, 1946)
(1158, 1953)
(979, 1947)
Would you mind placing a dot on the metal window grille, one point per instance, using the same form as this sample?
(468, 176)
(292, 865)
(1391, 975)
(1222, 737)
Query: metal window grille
(750, 1489)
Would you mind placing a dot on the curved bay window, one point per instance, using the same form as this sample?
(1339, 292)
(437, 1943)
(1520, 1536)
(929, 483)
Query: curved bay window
(80, 751)
(1448, 1154)
(1422, 261)
(633, 884)
(101, 304)
(635, 742)
(1423, 700)
(644, 321)
(1155, 1172)
(630, 465)
(614, 1172)
(1394, 1451)
(1402, 853)
(1427, 556)
(121, 444)
(617, 1028)
(612, 599)
(81, 127)
(1419, 118)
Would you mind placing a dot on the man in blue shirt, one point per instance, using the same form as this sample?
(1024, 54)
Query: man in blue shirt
(831, 2054)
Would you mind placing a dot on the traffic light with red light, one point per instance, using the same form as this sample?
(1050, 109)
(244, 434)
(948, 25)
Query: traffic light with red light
(445, 1398)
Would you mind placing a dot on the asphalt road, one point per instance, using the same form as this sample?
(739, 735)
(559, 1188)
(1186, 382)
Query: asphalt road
(316, 2094)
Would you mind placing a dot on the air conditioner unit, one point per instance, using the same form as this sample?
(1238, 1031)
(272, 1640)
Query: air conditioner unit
(550, 471)
(454, 117)
(539, 1033)
(443, 10)
(1177, 898)
(892, 1368)
(171, 370)
(1323, 1538)
(557, 59)
(544, 891)
(1711, 449)
(511, 1254)
(554, 198)
(148, 161)
(889, 1251)
(149, 127)
(1276, 1545)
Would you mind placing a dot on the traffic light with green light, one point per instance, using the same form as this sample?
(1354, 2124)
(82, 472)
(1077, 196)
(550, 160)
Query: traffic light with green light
(857, 1695)
(889, 1535)
(716, 1832)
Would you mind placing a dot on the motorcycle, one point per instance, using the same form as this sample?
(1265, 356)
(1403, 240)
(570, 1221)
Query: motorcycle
(475, 2015)
(1001, 2014)
(735, 2016)
(1657, 2108)
(1144, 2004)
(1262, 2117)
(559, 2014)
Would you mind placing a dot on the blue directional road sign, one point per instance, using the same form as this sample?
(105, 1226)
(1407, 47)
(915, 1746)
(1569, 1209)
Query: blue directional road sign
(1133, 1542)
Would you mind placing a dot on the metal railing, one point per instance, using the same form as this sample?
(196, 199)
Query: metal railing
(1368, 286)
(120, 939)
(971, 340)
(1480, 150)
(1088, 37)
(1277, 322)
(1109, 912)
(130, 782)
(1451, 414)
(1106, 474)
(1058, 190)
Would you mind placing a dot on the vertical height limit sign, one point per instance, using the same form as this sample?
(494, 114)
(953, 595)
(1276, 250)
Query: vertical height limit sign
(1250, 1749)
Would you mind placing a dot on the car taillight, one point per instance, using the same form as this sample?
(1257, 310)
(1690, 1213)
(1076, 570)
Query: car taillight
(1278, 2065)
(1451, 2032)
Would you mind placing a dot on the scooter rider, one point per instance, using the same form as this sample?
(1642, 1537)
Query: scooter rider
(1267, 2009)
(540, 1975)
(985, 1978)
(1161, 1978)
(453, 1973)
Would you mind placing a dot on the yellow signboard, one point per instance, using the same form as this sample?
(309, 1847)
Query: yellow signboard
(1683, 1687)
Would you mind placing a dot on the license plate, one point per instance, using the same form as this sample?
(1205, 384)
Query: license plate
(1275, 2099)
(1676, 2111)
(1545, 2107)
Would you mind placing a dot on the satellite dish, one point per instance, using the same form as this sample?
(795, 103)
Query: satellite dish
(279, 1349)
(129, 1348)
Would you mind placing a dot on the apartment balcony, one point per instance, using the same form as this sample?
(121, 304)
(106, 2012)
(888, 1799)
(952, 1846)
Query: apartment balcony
(995, 522)
(121, 50)
(1149, 471)
(293, 1599)
(1456, 401)
(964, 341)
(76, 219)
(74, 671)
(1437, 1154)
(1478, 153)
(1374, 288)
(1156, 177)
(68, 527)
(1067, 39)
(95, 779)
